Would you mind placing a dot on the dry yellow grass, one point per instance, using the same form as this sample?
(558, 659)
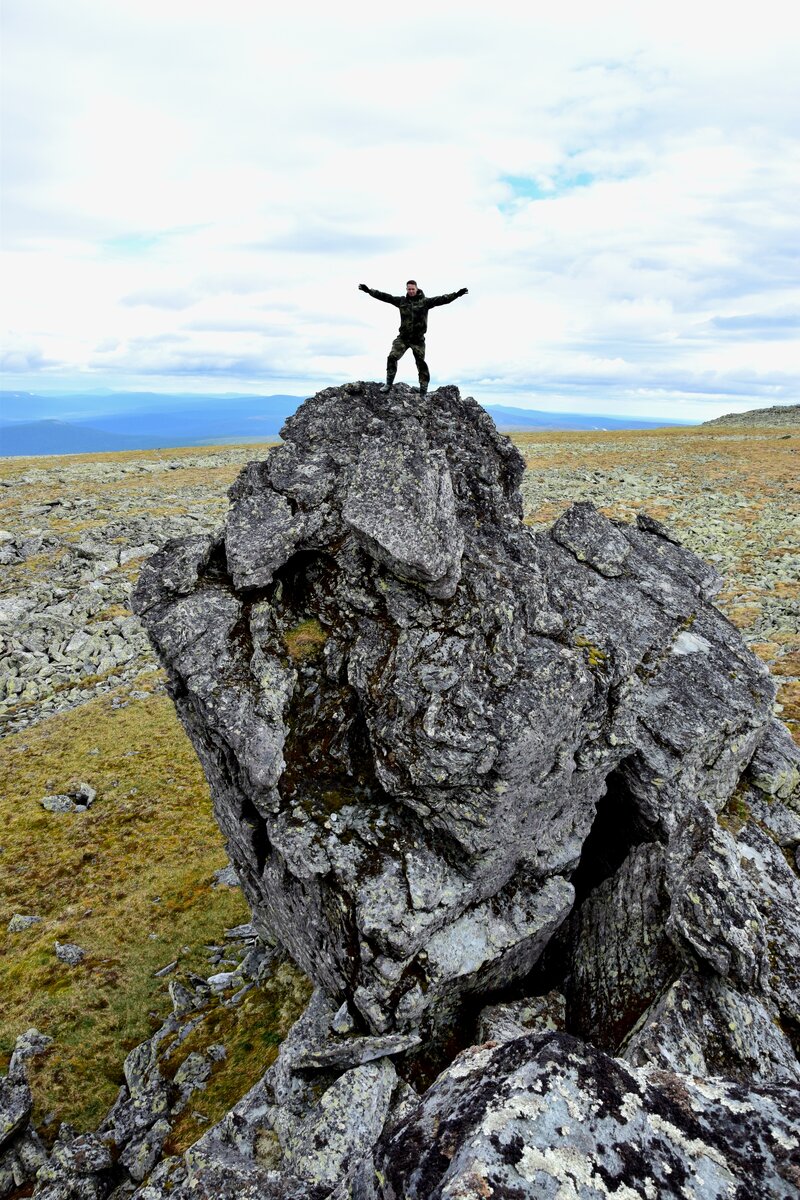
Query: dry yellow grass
(129, 881)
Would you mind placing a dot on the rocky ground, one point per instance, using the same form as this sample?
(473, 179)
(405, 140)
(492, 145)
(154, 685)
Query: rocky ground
(778, 414)
(75, 530)
(733, 497)
(73, 534)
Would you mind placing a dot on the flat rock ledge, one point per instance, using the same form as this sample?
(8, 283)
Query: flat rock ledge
(518, 805)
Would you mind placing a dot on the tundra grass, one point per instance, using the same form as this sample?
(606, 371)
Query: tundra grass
(129, 881)
(251, 1033)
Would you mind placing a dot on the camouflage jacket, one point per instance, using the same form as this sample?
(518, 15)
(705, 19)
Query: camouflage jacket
(414, 310)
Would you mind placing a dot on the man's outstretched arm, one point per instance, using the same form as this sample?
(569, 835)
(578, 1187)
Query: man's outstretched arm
(396, 300)
(447, 298)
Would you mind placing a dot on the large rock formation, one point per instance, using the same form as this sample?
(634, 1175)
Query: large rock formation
(453, 758)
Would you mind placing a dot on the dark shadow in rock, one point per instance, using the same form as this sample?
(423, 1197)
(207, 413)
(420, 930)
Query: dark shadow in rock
(301, 577)
(618, 826)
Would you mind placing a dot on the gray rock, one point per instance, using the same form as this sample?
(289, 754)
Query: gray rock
(19, 922)
(22, 1153)
(409, 525)
(85, 795)
(245, 932)
(343, 1127)
(352, 1052)
(85, 1154)
(143, 1151)
(592, 539)
(703, 1026)
(69, 953)
(193, 1072)
(66, 802)
(412, 712)
(775, 767)
(30, 1044)
(15, 1108)
(548, 1116)
(537, 1014)
(14, 608)
(58, 804)
(224, 980)
(226, 877)
(621, 957)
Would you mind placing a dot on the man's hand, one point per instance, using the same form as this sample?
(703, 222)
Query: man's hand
(462, 291)
(362, 287)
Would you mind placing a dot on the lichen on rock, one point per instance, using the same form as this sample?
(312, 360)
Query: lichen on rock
(456, 761)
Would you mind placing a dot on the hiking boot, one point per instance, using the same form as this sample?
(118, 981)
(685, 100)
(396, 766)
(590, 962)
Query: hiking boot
(387, 387)
(423, 389)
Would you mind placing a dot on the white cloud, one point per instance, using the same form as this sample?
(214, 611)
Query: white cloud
(615, 184)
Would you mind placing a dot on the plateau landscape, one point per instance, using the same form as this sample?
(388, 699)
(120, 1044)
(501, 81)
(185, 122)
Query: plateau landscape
(399, 601)
(167, 987)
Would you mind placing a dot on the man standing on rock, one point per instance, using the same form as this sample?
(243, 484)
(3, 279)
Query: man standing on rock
(413, 326)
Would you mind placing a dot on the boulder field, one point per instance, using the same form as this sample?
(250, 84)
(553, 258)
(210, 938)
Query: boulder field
(517, 804)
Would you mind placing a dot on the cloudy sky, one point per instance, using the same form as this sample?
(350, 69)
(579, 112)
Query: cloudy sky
(193, 191)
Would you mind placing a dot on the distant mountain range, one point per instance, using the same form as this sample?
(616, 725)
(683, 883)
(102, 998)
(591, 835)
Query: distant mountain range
(530, 419)
(83, 423)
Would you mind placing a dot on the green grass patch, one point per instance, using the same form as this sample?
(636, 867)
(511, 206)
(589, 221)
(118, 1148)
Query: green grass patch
(251, 1033)
(735, 814)
(304, 640)
(594, 655)
(129, 881)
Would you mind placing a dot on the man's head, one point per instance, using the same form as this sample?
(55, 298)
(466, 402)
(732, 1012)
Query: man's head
(411, 287)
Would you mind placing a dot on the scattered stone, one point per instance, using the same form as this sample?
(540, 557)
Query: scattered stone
(69, 953)
(226, 877)
(78, 801)
(58, 804)
(167, 970)
(777, 414)
(19, 922)
(246, 932)
(224, 980)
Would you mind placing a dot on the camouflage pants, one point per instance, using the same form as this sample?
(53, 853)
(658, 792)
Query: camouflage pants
(399, 347)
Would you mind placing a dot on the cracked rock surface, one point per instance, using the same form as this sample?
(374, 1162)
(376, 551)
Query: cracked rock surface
(458, 761)
(549, 1116)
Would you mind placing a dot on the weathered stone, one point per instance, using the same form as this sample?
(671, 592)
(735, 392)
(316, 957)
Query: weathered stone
(58, 804)
(193, 1072)
(592, 539)
(410, 525)
(775, 766)
(69, 953)
(537, 1014)
(344, 1126)
(226, 877)
(19, 922)
(15, 1108)
(142, 1152)
(703, 1026)
(409, 709)
(548, 1116)
(353, 1052)
(620, 955)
